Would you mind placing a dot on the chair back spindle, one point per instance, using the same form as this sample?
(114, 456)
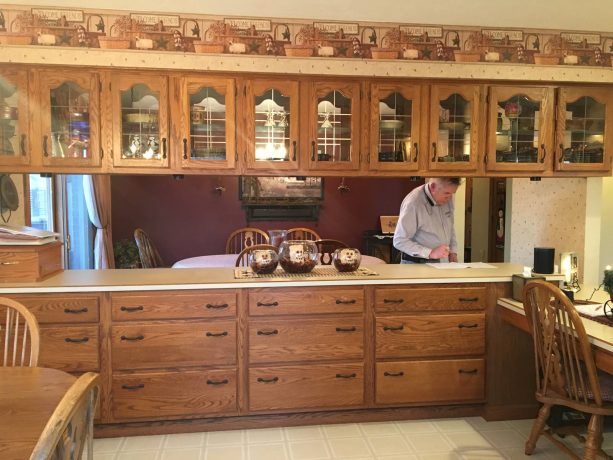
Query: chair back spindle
(20, 334)
(245, 237)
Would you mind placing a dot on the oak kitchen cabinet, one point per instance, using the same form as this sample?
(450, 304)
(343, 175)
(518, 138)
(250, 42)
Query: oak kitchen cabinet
(15, 124)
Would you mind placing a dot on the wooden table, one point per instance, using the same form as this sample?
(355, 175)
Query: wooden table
(229, 260)
(28, 397)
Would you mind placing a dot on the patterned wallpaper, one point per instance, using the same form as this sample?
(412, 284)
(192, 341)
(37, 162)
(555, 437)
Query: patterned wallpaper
(549, 213)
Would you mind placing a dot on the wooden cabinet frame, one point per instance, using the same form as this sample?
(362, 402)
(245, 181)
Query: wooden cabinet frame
(19, 78)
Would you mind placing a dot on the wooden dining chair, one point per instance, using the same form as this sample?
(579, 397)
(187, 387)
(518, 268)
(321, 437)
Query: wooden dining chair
(326, 248)
(302, 233)
(566, 374)
(148, 253)
(70, 429)
(20, 334)
(245, 237)
(243, 258)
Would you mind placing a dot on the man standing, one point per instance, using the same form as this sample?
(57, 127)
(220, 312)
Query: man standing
(425, 231)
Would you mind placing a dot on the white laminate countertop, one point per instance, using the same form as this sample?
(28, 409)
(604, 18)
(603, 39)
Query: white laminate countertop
(215, 278)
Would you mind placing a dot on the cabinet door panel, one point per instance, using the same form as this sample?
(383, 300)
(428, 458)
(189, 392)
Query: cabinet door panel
(69, 348)
(15, 141)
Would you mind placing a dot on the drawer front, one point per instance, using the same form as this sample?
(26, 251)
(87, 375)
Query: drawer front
(147, 346)
(30, 264)
(69, 348)
(306, 387)
(305, 301)
(430, 335)
(174, 305)
(390, 300)
(280, 340)
(174, 394)
(63, 309)
(430, 381)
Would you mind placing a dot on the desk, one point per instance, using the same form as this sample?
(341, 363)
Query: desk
(229, 260)
(28, 397)
(380, 245)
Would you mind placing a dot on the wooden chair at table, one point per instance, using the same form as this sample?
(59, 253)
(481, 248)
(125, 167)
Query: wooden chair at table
(566, 374)
(148, 253)
(19, 333)
(245, 237)
(243, 258)
(302, 233)
(71, 426)
(326, 248)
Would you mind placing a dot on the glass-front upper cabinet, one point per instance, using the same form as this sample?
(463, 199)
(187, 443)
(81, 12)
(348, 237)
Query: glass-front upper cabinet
(395, 127)
(70, 118)
(207, 138)
(334, 119)
(272, 124)
(140, 120)
(14, 140)
(584, 129)
(455, 125)
(520, 129)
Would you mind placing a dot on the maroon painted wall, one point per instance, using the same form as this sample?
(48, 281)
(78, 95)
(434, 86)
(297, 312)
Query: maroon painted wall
(188, 218)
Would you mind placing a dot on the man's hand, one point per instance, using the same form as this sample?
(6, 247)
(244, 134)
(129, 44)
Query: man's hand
(453, 257)
(440, 252)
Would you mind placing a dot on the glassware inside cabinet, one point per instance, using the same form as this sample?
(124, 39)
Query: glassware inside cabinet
(207, 125)
(583, 135)
(11, 143)
(334, 127)
(272, 126)
(454, 127)
(517, 130)
(395, 126)
(70, 124)
(140, 128)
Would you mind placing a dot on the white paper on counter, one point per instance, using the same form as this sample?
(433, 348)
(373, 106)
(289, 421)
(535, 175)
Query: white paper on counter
(456, 265)
(592, 309)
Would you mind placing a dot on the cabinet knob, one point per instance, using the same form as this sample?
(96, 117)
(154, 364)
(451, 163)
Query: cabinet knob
(433, 151)
(294, 148)
(416, 147)
(45, 148)
(164, 147)
(184, 149)
(313, 150)
(22, 144)
(544, 153)
(561, 153)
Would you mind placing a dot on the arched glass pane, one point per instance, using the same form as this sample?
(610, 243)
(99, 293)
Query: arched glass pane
(207, 125)
(70, 128)
(453, 143)
(140, 133)
(583, 138)
(395, 127)
(334, 127)
(9, 117)
(517, 130)
(272, 126)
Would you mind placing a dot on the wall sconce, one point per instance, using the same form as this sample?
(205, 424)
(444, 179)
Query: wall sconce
(219, 189)
(343, 188)
(178, 177)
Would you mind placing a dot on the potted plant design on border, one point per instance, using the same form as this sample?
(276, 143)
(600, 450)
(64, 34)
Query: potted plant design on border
(120, 33)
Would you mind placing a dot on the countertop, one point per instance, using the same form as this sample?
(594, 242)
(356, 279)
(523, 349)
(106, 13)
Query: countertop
(215, 278)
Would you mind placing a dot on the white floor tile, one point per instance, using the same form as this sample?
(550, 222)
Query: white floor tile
(106, 445)
(416, 426)
(517, 453)
(481, 454)
(342, 431)
(315, 449)
(184, 440)
(464, 440)
(451, 425)
(224, 453)
(136, 443)
(389, 445)
(181, 454)
(439, 456)
(424, 443)
(138, 455)
(349, 448)
(217, 438)
(504, 438)
(104, 456)
(272, 451)
(267, 435)
(379, 429)
(304, 433)
(480, 424)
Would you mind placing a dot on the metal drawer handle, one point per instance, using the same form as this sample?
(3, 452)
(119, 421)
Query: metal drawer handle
(132, 339)
(273, 332)
(393, 328)
(217, 382)
(184, 149)
(393, 374)
(468, 326)
(132, 309)
(346, 329)
(468, 371)
(133, 387)
(81, 340)
(217, 334)
(75, 310)
(416, 152)
(345, 302)
(9, 263)
(22, 145)
(468, 299)
(45, 148)
(433, 151)
(393, 300)
(264, 304)
(270, 380)
(216, 306)
(346, 376)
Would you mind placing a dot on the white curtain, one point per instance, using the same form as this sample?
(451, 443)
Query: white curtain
(96, 190)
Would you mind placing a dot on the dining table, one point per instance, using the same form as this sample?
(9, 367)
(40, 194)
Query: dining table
(229, 260)
(28, 397)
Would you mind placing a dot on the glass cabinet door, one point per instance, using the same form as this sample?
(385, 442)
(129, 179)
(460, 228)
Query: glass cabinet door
(140, 127)
(70, 126)
(334, 126)
(395, 127)
(520, 130)
(208, 136)
(584, 129)
(455, 123)
(14, 139)
(272, 124)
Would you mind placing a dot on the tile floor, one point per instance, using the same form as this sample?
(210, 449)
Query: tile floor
(443, 439)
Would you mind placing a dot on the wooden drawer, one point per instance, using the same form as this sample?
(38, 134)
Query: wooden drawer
(69, 348)
(431, 298)
(148, 346)
(267, 301)
(174, 305)
(174, 394)
(430, 335)
(306, 387)
(279, 340)
(62, 309)
(29, 263)
(447, 381)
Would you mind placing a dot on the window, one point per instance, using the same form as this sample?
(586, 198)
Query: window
(41, 202)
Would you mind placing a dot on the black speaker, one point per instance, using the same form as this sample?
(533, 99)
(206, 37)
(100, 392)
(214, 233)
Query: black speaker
(543, 260)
